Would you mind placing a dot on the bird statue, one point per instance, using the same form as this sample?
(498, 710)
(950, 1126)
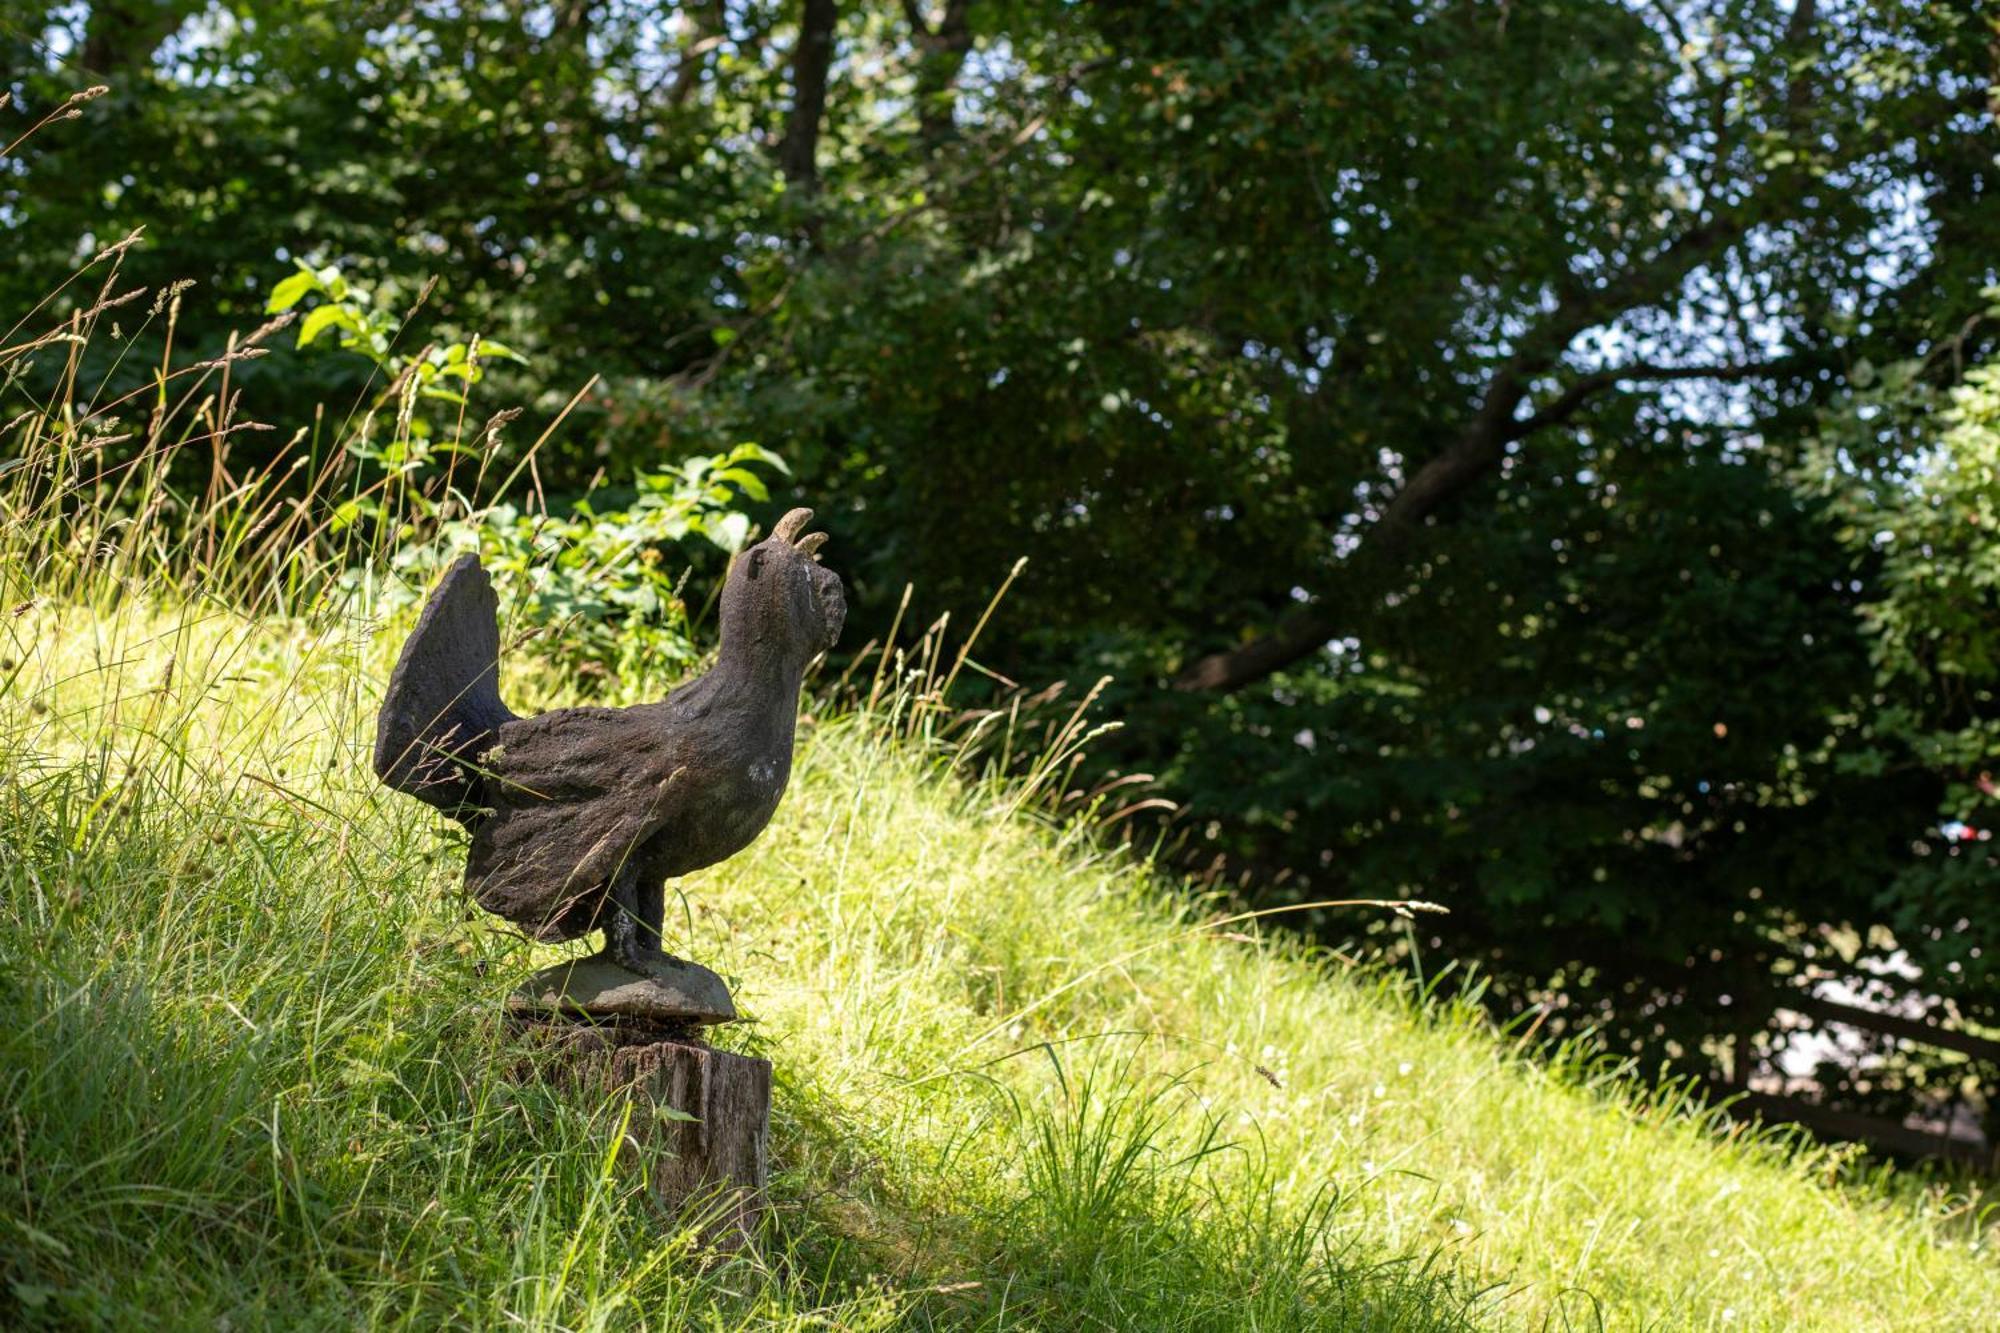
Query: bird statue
(580, 816)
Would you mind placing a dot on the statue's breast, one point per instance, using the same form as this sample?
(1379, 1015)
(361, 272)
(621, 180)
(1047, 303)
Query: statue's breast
(726, 810)
(763, 787)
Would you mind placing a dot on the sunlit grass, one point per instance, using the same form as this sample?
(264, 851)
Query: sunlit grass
(257, 1071)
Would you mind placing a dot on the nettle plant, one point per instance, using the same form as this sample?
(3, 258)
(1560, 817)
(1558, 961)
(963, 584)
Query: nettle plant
(597, 580)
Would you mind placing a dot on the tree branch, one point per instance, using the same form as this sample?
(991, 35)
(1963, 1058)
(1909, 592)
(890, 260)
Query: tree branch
(705, 34)
(1562, 407)
(1449, 473)
(1482, 444)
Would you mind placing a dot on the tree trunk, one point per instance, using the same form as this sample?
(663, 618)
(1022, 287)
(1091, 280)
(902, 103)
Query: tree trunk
(700, 1121)
(812, 58)
(121, 35)
(941, 55)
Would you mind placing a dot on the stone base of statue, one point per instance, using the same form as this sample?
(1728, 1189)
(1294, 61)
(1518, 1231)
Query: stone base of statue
(670, 993)
(701, 1121)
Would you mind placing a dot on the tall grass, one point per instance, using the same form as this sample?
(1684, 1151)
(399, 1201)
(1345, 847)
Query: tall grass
(253, 1069)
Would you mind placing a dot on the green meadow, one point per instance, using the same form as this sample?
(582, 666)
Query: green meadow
(256, 1074)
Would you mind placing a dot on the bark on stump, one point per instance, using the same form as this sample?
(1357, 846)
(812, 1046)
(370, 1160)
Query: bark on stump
(702, 1117)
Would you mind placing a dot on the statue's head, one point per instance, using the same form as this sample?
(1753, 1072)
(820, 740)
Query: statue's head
(778, 594)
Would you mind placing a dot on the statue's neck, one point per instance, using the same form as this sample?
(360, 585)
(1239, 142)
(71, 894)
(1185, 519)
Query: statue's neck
(758, 665)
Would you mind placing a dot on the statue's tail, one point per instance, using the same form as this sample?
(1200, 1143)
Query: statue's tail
(442, 708)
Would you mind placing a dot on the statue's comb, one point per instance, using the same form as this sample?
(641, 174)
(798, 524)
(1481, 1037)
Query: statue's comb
(791, 525)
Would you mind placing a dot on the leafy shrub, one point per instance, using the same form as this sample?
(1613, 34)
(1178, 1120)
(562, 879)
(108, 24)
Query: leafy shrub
(598, 572)
(601, 573)
(1912, 472)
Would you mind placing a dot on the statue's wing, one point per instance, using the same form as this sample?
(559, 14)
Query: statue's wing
(443, 705)
(571, 796)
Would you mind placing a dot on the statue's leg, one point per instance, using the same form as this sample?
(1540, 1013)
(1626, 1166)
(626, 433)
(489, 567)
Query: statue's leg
(638, 910)
(684, 991)
(652, 915)
(631, 976)
(626, 937)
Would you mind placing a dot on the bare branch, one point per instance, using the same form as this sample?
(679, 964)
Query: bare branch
(1565, 404)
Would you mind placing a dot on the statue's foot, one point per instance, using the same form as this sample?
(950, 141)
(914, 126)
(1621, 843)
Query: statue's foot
(656, 988)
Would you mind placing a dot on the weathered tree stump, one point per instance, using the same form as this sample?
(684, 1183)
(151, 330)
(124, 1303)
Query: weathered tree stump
(713, 1162)
(702, 1117)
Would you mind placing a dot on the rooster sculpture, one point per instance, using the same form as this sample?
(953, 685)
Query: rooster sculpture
(579, 816)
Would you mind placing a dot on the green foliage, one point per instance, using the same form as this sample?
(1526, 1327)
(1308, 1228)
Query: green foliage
(597, 584)
(362, 324)
(1180, 299)
(1912, 473)
(410, 384)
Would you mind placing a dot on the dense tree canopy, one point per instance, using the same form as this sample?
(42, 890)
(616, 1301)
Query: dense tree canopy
(1450, 421)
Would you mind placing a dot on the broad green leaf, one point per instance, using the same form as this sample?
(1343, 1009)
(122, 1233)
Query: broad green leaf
(729, 531)
(492, 349)
(746, 481)
(750, 451)
(290, 292)
(320, 320)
